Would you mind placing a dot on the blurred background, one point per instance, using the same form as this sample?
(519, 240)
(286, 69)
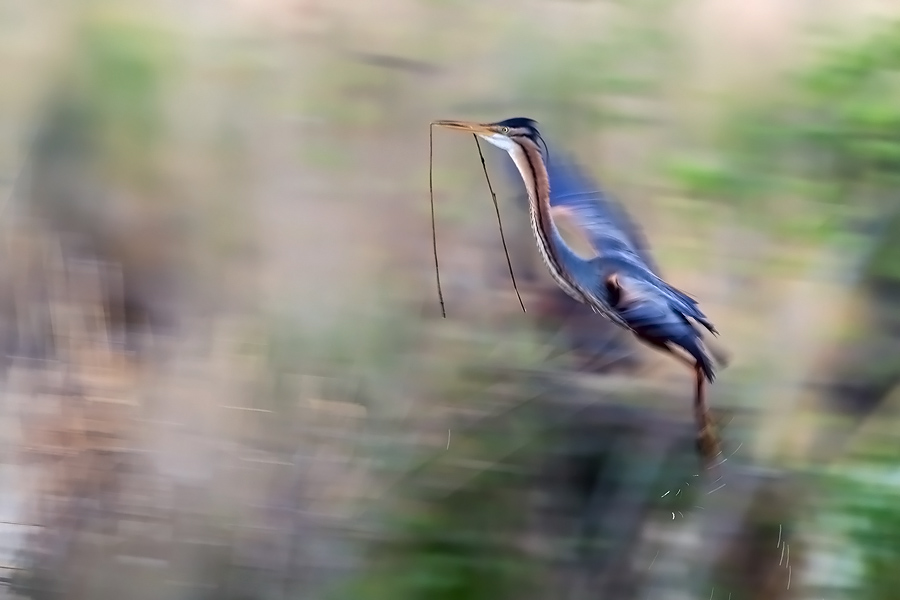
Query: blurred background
(224, 369)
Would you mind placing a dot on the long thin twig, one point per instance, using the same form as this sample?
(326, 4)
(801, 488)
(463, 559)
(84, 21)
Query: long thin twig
(437, 268)
(499, 222)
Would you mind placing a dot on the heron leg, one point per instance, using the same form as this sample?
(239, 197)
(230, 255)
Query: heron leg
(707, 440)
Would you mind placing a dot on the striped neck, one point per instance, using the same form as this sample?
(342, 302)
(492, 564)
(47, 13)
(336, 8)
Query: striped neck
(554, 251)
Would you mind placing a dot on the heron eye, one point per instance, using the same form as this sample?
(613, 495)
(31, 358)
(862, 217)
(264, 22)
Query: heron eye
(504, 130)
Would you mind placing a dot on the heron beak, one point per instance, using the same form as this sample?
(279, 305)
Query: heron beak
(468, 126)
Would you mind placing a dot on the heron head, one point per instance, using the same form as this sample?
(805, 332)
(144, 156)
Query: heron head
(503, 134)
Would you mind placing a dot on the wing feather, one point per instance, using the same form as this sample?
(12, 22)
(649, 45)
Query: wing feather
(573, 231)
(602, 221)
(610, 228)
(661, 318)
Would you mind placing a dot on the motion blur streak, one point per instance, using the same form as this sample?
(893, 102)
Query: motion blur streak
(225, 375)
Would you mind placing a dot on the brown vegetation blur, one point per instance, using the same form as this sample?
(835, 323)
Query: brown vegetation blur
(225, 374)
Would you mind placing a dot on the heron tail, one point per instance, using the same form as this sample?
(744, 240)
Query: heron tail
(693, 345)
(690, 308)
(719, 354)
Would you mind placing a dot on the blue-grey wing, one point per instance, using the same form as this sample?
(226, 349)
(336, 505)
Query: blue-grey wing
(659, 314)
(658, 318)
(648, 311)
(604, 221)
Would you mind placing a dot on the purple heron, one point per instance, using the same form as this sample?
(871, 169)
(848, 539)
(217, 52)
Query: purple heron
(619, 278)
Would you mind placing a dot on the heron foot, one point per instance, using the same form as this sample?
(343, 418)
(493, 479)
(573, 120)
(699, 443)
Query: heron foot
(708, 445)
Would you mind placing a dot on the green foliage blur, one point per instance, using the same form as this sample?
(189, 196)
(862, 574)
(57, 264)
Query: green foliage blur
(118, 81)
(826, 142)
(860, 509)
(829, 139)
